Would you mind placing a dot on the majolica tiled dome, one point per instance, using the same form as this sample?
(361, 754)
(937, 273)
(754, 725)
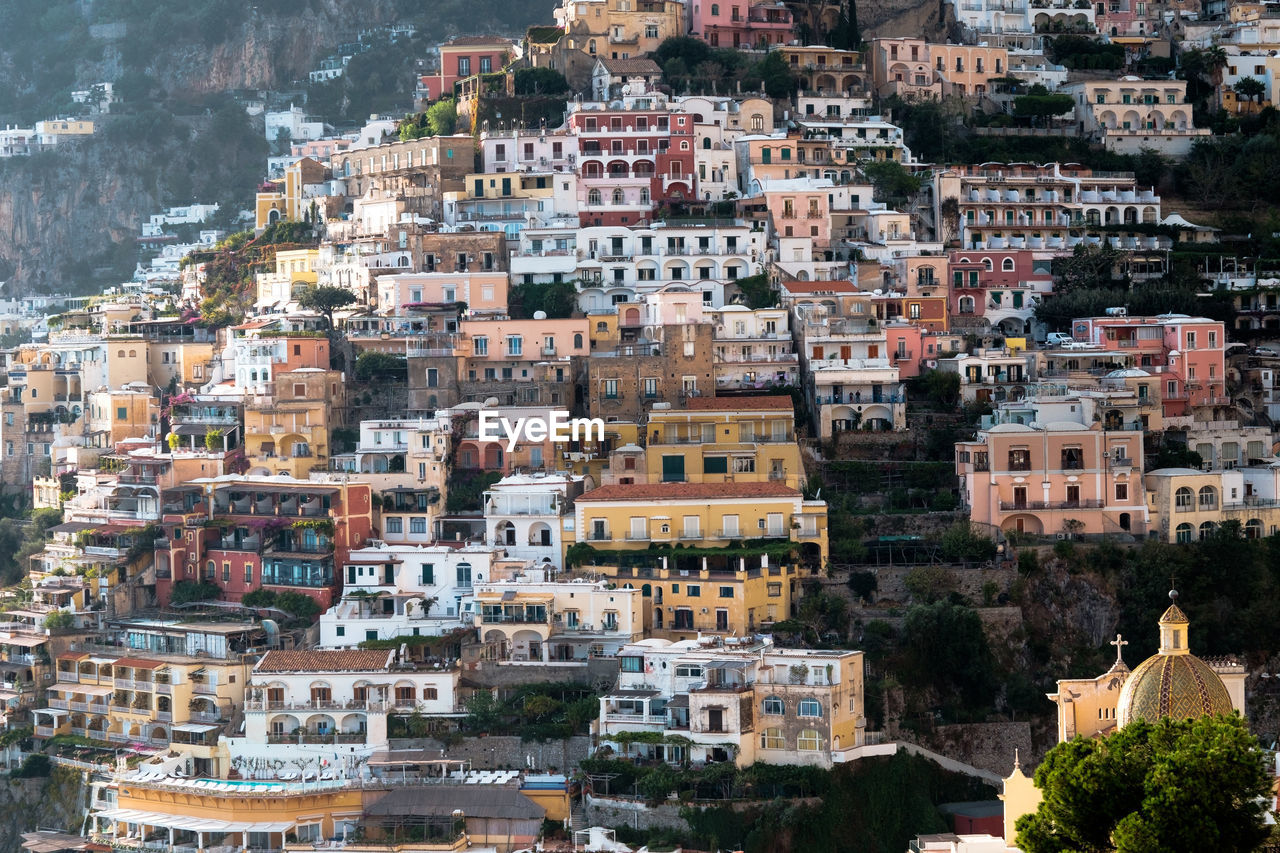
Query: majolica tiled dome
(1173, 682)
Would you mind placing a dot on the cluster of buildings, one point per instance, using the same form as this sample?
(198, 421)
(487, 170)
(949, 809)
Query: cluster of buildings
(728, 281)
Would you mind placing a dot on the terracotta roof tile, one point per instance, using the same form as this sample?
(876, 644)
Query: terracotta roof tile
(687, 491)
(325, 660)
(730, 404)
(139, 663)
(631, 66)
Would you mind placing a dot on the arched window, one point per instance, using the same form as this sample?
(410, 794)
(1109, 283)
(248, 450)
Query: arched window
(715, 10)
(986, 262)
(966, 304)
(1208, 497)
(706, 143)
(1253, 529)
(644, 195)
(577, 341)
(771, 738)
(1206, 529)
(617, 197)
(1183, 533)
(810, 708)
(773, 705)
(1183, 499)
(593, 198)
(809, 740)
(1007, 265)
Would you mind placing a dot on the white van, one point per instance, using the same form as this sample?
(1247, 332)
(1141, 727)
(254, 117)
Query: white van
(1058, 339)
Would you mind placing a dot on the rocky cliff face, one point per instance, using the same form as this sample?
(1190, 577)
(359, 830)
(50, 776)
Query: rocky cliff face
(57, 802)
(63, 218)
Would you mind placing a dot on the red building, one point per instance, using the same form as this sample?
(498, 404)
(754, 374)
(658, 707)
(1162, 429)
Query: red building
(461, 58)
(632, 157)
(997, 289)
(242, 533)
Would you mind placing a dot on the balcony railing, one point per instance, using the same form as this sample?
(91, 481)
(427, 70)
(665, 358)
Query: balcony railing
(1008, 506)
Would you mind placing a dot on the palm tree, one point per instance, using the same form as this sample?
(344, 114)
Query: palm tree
(1250, 88)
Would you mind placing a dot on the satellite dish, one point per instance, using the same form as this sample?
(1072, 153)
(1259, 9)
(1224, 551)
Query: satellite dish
(539, 315)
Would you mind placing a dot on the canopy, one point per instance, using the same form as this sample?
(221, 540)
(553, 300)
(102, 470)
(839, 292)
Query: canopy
(192, 824)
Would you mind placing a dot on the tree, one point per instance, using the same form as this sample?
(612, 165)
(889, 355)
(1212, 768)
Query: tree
(371, 364)
(298, 605)
(1250, 88)
(442, 117)
(893, 183)
(1089, 266)
(1041, 106)
(1176, 785)
(540, 81)
(325, 299)
(775, 75)
(947, 652)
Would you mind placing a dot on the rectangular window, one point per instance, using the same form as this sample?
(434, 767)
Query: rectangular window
(693, 590)
(716, 465)
(395, 525)
(611, 389)
(515, 345)
(632, 664)
(481, 345)
(428, 574)
(1019, 459)
(726, 592)
(418, 524)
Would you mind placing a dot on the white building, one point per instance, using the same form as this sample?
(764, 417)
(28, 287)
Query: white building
(850, 381)
(526, 514)
(620, 264)
(329, 708)
(753, 349)
(525, 151)
(293, 122)
(406, 590)
(531, 619)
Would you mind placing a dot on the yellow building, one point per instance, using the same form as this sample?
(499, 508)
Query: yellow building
(64, 127)
(130, 412)
(295, 271)
(128, 360)
(1186, 505)
(288, 433)
(751, 541)
(163, 700)
(175, 815)
(721, 440)
(1171, 683)
(289, 199)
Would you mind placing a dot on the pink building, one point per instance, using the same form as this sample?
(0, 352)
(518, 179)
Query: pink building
(1055, 478)
(461, 58)
(741, 23)
(482, 291)
(800, 209)
(997, 289)
(1186, 353)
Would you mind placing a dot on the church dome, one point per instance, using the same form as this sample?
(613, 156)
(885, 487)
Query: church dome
(1173, 682)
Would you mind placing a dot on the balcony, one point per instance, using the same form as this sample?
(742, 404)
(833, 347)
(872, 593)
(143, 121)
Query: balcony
(1019, 506)
(317, 737)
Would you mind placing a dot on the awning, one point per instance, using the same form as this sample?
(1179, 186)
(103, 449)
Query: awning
(26, 642)
(631, 694)
(680, 700)
(191, 824)
(86, 689)
(195, 727)
(53, 712)
(139, 663)
(726, 664)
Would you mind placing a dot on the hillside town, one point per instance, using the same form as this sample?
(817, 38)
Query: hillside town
(587, 430)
